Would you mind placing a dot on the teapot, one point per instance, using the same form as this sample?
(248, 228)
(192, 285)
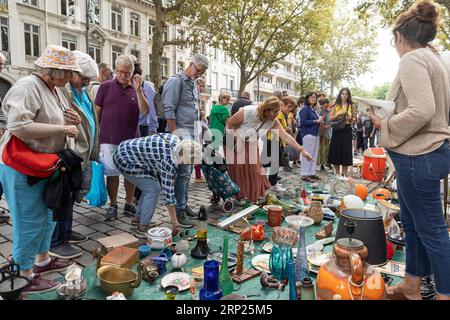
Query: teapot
(347, 275)
(116, 279)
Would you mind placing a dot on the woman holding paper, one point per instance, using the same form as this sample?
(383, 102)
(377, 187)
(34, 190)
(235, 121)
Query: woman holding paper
(417, 139)
(341, 153)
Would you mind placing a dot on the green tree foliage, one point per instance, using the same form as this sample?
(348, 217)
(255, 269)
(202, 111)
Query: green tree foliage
(389, 10)
(349, 52)
(380, 92)
(258, 33)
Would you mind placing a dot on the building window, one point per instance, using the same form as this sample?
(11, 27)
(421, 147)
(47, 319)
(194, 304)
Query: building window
(68, 8)
(116, 52)
(95, 53)
(225, 58)
(165, 34)
(69, 42)
(231, 83)
(215, 54)
(151, 29)
(116, 19)
(164, 67)
(215, 80)
(94, 12)
(180, 36)
(225, 81)
(4, 39)
(137, 54)
(32, 47)
(134, 24)
(34, 3)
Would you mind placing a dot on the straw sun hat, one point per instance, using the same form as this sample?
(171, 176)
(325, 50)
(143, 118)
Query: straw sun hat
(56, 57)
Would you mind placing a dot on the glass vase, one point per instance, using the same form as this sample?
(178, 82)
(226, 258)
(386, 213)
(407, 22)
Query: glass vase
(301, 262)
(225, 281)
(291, 279)
(279, 258)
(211, 290)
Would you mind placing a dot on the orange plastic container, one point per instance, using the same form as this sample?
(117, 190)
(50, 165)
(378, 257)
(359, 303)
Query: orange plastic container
(374, 164)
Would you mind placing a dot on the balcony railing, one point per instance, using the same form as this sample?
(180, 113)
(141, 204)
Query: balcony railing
(265, 85)
(291, 58)
(233, 93)
(288, 74)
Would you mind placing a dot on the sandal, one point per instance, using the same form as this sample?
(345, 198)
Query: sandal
(307, 179)
(316, 177)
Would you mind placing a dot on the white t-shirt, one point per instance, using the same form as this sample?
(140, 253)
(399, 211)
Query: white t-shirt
(252, 126)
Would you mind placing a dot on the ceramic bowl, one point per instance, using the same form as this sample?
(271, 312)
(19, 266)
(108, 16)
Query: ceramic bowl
(144, 250)
(297, 221)
(284, 236)
(159, 237)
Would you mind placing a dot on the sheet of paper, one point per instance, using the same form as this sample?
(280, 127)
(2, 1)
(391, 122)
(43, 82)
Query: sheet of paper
(382, 108)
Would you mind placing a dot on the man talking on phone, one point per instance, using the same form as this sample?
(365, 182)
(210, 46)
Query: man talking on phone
(118, 103)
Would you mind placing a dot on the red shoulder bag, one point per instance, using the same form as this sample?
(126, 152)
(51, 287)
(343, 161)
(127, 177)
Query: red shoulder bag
(21, 158)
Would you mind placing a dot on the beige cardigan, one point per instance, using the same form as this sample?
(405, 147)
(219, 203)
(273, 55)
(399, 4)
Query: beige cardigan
(421, 91)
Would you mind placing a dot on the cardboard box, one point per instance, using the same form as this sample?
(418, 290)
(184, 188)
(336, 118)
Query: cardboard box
(119, 240)
(121, 257)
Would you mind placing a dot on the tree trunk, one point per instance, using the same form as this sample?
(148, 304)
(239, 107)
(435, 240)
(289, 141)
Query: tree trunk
(157, 46)
(244, 81)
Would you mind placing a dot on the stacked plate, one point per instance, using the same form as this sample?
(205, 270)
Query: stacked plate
(316, 259)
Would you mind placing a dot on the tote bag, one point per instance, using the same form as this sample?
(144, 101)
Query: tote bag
(98, 195)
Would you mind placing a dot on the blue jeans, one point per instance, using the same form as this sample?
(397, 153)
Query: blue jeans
(182, 185)
(148, 201)
(426, 236)
(31, 219)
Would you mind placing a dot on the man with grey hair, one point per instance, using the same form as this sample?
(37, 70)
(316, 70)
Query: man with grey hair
(244, 100)
(180, 99)
(278, 94)
(118, 104)
(4, 217)
(105, 73)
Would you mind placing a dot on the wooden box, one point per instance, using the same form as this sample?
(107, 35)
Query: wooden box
(119, 240)
(121, 257)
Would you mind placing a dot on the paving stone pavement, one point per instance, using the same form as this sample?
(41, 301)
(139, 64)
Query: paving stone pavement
(89, 220)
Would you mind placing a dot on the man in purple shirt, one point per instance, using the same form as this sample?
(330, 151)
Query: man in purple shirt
(118, 104)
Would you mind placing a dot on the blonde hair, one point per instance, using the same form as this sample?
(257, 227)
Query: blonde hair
(271, 103)
(189, 152)
(223, 95)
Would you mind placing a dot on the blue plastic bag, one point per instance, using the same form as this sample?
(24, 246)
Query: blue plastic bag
(97, 195)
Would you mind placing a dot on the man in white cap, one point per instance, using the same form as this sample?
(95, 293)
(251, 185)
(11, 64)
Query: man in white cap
(86, 144)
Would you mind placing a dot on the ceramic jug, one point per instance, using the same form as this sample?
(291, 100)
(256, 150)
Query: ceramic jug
(347, 276)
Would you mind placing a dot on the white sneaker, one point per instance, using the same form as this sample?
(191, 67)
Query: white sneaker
(277, 188)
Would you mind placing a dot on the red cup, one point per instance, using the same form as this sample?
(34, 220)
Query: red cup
(274, 215)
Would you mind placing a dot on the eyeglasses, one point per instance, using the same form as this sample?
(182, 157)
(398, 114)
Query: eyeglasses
(392, 41)
(126, 74)
(198, 70)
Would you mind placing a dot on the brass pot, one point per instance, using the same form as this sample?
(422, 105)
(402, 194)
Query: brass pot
(116, 279)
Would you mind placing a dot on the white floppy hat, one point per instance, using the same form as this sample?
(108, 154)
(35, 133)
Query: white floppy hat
(57, 57)
(88, 66)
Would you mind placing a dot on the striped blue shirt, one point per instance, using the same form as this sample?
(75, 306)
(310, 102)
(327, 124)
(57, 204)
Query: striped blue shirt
(150, 157)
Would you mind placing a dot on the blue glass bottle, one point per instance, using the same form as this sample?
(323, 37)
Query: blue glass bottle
(291, 279)
(211, 290)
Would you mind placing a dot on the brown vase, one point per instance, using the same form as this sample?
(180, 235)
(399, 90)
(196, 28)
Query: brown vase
(315, 212)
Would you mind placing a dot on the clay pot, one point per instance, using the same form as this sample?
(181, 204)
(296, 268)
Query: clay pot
(274, 215)
(315, 212)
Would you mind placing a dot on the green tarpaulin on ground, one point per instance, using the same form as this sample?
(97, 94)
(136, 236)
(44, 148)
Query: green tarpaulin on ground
(251, 288)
